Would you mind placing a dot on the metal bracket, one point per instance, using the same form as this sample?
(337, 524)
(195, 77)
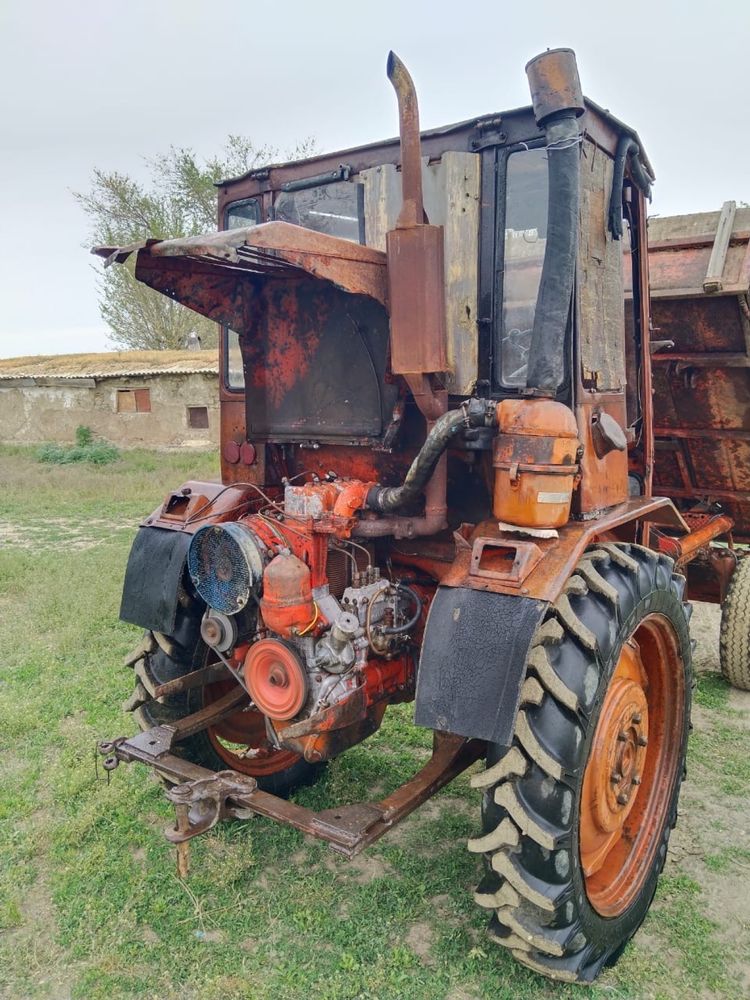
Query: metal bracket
(202, 803)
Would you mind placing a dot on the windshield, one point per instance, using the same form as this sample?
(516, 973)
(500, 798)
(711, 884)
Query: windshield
(525, 224)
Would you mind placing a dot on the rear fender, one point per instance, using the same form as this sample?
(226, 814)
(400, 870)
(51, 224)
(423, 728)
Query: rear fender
(153, 577)
(473, 662)
(485, 612)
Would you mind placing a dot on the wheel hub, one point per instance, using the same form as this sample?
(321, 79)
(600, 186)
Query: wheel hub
(616, 763)
(632, 766)
(617, 760)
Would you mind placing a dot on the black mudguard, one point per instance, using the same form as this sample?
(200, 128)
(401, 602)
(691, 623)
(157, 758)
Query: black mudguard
(473, 662)
(153, 577)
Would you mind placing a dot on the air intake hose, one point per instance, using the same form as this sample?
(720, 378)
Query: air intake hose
(387, 499)
(557, 99)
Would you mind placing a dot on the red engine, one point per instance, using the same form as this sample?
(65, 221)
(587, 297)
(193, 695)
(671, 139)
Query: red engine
(304, 619)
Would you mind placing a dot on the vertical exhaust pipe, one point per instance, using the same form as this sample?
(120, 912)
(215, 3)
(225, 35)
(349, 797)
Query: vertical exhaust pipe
(558, 102)
(416, 300)
(412, 203)
(416, 289)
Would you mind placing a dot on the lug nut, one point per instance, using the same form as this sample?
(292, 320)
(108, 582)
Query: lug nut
(642, 741)
(622, 736)
(623, 799)
(635, 780)
(615, 777)
(637, 718)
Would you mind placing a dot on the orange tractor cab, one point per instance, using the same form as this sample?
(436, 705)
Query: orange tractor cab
(437, 453)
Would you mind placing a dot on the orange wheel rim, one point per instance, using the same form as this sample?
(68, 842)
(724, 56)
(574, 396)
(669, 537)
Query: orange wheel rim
(632, 768)
(240, 739)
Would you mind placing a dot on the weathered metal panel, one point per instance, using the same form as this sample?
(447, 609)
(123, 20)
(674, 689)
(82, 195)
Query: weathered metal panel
(273, 249)
(382, 202)
(462, 176)
(600, 289)
(702, 383)
(451, 196)
(314, 360)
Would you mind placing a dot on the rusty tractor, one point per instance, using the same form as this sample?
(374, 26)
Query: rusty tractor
(437, 456)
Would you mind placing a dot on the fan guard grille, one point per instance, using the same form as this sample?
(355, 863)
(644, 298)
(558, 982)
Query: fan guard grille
(225, 565)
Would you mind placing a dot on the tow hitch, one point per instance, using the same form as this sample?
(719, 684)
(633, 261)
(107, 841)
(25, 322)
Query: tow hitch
(202, 798)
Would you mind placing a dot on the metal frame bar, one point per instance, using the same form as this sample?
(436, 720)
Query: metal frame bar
(202, 797)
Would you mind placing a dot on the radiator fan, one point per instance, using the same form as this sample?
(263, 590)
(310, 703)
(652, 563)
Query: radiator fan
(225, 562)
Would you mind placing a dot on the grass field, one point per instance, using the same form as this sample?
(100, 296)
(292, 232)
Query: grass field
(90, 904)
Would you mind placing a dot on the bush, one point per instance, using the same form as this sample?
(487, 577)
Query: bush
(84, 436)
(86, 449)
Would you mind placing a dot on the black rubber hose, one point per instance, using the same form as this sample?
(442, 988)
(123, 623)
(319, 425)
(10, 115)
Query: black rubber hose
(546, 367)
(407, 626)
(387, 499)
(627, 147)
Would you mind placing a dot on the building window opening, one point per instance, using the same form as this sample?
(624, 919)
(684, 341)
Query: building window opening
(197, 417)
(133, 400)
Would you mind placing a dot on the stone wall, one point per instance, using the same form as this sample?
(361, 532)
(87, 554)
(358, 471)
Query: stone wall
(38, 410)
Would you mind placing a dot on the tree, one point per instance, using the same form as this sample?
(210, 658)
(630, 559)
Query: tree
(179, 199)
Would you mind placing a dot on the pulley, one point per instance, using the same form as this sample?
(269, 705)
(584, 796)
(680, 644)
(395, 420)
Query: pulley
(276, 679)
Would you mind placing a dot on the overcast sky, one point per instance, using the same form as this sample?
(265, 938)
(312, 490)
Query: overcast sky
(96, 83)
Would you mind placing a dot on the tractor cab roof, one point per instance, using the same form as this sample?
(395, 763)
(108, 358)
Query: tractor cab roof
(498, 128)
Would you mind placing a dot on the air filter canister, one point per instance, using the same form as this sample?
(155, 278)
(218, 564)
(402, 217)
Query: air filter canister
(225, 562)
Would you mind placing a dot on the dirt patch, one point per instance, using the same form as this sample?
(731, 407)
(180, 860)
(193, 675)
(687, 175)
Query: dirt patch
(57, 534)
(739, 703)
(211, 937)
(709, 823)
(413, 832)
(366, 867)
(420, 938)
(36, 939)
(704, 628)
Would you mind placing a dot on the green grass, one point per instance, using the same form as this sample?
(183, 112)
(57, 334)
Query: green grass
(90, 904)
(98, 453)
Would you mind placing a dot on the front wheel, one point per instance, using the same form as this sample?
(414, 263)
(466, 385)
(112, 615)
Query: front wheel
(577, 812)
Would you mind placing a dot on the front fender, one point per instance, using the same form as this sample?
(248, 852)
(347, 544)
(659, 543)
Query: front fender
(153, 578)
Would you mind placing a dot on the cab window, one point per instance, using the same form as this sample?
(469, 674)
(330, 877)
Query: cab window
(336, 209)
(241, 214)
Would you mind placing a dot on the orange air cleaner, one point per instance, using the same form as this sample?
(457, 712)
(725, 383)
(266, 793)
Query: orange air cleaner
(287, 603)
(535, 459)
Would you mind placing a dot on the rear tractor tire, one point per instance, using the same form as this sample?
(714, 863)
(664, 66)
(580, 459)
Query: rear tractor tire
(577, 813)
(238, 742)
(734, 645)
